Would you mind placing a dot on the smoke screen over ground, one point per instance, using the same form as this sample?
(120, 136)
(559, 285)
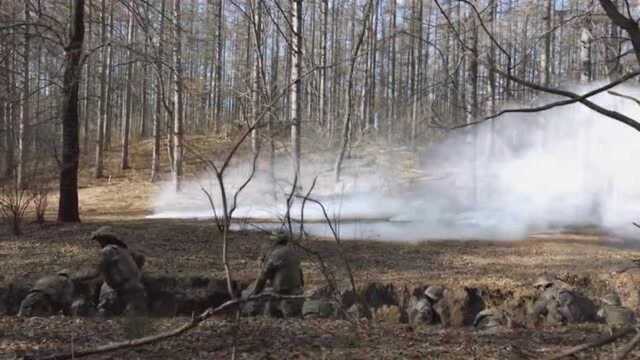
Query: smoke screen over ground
(563, 168)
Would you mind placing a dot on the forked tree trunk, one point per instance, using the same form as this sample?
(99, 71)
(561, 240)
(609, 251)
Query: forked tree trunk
(68, 206)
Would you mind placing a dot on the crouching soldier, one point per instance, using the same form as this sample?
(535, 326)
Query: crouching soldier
(122, 289)
(49, 295)
(421, 310)
(282, 272)
(559, 305)
(120, 269)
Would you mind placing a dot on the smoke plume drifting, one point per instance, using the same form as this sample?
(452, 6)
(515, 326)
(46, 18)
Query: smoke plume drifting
(523, 173)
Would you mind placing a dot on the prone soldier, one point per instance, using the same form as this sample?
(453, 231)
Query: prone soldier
(49, 295)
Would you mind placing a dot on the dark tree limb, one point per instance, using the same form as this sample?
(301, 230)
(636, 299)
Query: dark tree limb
(593, 344)
(564, 93)
(562, 102)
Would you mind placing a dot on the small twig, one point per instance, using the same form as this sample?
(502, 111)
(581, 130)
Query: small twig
(614, 93)
(304, 202)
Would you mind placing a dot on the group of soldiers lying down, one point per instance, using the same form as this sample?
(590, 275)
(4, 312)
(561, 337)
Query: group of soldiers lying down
(119, 275)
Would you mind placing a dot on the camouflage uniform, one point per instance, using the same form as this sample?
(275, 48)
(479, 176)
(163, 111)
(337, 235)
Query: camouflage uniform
(436, 296)
(281, 269)
(558, 305)
(49, 295)
(122, 279)
(421, 312)
(614, 314)
(491, 320)
(421, 307)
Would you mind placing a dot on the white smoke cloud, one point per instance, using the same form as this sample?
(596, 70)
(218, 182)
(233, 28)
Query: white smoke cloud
(564, 167)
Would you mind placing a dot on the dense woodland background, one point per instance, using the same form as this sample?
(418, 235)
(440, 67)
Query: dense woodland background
(334, 71)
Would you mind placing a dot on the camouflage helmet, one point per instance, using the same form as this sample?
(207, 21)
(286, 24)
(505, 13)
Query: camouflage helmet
(434, 293)
(612, 299)
(543, 281)
(105, 235)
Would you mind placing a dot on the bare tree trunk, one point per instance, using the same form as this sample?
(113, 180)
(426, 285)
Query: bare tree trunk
(68, 206)
(24, 121)
(157, 120)
(371, 102)
(296, 90)
(546, 56)
(11, 114)
(416, 70)
(256, 69)
(392, 86)
(178, 99)
(108, 120)
(586, 39)
(127, 103)
(103, 94)
(323, 62)
(219, 67)
(144, 119)
(275, 63)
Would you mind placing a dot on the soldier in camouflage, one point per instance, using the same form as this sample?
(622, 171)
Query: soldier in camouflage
(105, 235)
(282, 272)
(422, 310)
(436, 296)
(120, 269)
(49, 295)
(491, 321)
(122, 278)
(557, 304)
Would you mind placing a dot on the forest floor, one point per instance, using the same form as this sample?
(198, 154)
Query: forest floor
(184, 248)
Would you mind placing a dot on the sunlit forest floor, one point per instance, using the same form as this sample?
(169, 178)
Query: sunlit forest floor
(189, 248)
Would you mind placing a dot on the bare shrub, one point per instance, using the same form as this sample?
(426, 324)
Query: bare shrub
(14, 202)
